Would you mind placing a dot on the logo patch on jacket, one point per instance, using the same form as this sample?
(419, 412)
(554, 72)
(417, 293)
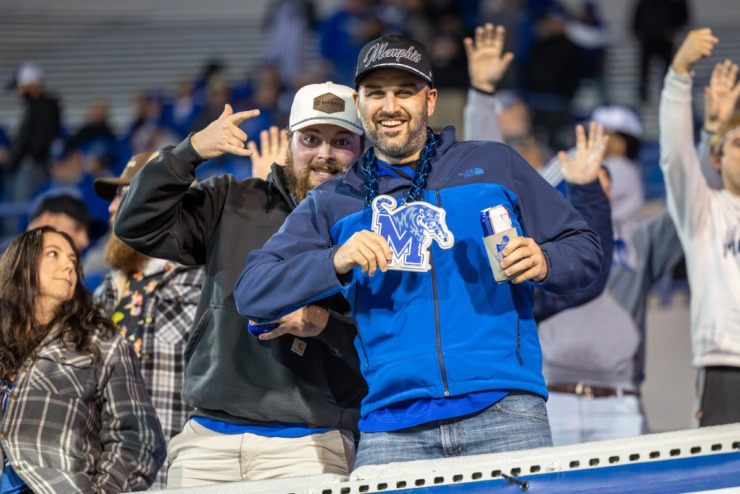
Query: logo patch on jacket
(409, 230)
(471, 172)
(298, 347)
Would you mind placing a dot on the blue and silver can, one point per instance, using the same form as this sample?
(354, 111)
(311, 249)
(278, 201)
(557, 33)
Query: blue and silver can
(258, 329)
(494, 220)
(497, 231)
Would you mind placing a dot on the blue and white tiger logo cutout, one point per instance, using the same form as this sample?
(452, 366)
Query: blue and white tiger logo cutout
(409, 230)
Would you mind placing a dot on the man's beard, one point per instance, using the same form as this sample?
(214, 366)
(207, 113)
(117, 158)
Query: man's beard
(417, 135)
(300, 184)
(122, 257)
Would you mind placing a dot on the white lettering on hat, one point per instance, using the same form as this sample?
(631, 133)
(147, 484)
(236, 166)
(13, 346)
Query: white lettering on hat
(380, 50)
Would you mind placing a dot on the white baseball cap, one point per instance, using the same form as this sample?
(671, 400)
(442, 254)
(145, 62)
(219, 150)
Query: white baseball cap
(616, 118)
(325, 103)
(29, 73)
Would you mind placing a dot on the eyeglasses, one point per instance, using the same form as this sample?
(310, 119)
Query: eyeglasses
(121, 191)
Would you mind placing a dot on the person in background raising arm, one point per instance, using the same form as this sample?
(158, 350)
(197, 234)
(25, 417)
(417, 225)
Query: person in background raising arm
(708, 224)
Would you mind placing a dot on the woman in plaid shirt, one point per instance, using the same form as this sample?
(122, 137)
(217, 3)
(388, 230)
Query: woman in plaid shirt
(74, 414)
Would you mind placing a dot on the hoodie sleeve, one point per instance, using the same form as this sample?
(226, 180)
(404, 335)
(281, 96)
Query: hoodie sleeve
(571, 247)
(592, 204)
(481, 117)
(162, 216)
(687, 191)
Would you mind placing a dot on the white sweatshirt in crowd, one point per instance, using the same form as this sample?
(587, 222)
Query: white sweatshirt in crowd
(708, 224)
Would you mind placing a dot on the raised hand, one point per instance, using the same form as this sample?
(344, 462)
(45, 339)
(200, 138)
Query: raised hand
(721, 95)
(273, 149)
(305, 322)
(365, 249)
(586, 163)
(486, 64)
(223, 135)
(698, 44)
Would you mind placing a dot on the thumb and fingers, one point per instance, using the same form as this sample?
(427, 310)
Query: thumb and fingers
(223, 135)
(241, 117)
(486, 64)
(288, 324)
(365, 249)
(583, 166)
(721, 95)
(273, 149)
(524, 260)
(698, 44)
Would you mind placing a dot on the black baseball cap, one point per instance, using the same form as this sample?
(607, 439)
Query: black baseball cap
(62, 202)
(107, 187)
(394, 52)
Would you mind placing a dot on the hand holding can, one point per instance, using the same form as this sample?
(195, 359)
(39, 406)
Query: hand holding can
(258, 329)
(497, 232)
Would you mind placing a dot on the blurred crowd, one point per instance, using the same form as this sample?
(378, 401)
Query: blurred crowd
(46, 154)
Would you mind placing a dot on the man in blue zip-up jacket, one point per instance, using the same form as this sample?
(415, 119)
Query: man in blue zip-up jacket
(451, 357)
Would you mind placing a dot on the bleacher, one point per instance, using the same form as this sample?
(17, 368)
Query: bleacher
(115, 50)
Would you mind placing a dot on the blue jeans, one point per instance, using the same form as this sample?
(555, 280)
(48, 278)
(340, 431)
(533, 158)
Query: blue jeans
(519, 421)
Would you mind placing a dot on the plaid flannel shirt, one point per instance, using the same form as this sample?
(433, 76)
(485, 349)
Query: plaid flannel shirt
(77, 425)
(167, 317)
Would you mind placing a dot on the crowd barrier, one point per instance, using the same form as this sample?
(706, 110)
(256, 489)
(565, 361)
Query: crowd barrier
(691, 461)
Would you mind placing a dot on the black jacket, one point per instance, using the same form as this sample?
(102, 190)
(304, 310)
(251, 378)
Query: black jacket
(230, 374)
(41, 124)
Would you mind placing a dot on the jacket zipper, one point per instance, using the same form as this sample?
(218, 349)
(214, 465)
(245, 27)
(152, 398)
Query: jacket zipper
(359, 334)
(437, 329)
(518, 327)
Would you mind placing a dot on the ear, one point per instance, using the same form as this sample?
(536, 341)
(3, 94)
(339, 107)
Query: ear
(431, 101)
(716, 162)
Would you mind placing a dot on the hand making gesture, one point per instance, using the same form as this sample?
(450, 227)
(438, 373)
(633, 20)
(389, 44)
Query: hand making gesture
(584, 167)
(223, 135)
(273, 149)
(720, 96)
(486, 64)
(364, 249)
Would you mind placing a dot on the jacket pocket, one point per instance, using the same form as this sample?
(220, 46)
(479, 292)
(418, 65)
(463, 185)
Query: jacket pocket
(524, 405)
(197, 334)
(59, 426)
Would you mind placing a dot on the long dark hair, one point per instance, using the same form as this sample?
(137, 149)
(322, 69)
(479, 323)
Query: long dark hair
(20, 334)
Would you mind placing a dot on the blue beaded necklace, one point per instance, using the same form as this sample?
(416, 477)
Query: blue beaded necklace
(369, 167)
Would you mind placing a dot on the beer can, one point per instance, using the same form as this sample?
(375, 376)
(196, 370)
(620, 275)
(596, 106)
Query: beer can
(494, 220)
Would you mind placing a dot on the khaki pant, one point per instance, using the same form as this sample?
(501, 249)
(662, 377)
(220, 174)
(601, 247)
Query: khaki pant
(200, 456)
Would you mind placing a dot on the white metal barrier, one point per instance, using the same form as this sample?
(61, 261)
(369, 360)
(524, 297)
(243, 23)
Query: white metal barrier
(697, 460)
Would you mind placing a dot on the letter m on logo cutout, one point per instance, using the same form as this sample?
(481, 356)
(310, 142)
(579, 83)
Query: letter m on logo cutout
(409, 231)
